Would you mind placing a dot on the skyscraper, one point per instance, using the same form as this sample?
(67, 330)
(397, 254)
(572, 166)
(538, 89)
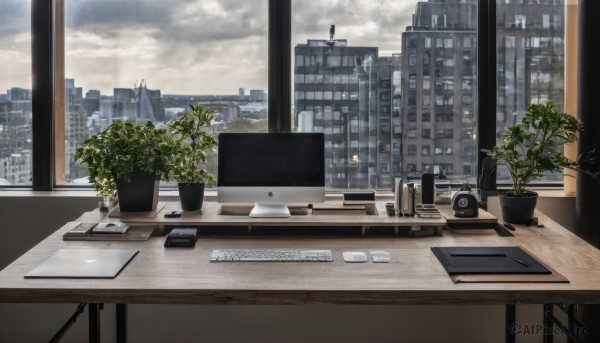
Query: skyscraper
(336, 93)
(438, 87)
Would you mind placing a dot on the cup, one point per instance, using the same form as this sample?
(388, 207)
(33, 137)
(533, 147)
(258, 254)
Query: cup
(389, 209)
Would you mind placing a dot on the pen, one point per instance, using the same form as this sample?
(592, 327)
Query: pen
(520, 261)
(478, 254)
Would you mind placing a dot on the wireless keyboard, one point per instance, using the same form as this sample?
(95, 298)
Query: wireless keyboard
(270, 255)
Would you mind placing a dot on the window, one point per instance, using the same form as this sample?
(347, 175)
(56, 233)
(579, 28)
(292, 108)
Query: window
(426, 133)
(412, 150)
(426, 150)
(113, 74)
(380, 79)
(412, 81)
(353, 74)
(15, 94)
(531, 68)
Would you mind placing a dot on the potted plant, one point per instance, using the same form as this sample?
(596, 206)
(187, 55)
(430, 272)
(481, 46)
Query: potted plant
(192, 143)
(129, 158)
(531, 148)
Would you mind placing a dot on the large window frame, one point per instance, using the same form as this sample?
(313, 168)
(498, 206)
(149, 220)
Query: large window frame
(48, 73)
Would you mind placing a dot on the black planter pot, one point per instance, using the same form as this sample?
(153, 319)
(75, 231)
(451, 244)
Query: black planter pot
(138, 195)
(518, 210)
(191, 196)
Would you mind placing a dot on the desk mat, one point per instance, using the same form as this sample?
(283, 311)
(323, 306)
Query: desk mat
(554, 276)
(488, 260)
(116, 212)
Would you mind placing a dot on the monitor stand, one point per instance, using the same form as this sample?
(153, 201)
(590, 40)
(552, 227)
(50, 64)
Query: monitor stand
(270, 210)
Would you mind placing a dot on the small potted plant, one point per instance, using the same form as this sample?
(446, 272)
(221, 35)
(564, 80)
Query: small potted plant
(192, 142)
(130, 159)
(531, 148)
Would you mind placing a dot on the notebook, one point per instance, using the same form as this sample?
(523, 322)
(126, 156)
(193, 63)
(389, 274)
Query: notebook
(83, 264)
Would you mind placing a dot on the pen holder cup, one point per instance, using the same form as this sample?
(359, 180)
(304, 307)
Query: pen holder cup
(389, 209)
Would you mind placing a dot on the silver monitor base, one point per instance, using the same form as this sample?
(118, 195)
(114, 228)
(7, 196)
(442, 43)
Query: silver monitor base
(270, 210)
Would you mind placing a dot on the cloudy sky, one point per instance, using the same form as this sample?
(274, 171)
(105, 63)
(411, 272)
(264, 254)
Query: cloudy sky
(188, 46)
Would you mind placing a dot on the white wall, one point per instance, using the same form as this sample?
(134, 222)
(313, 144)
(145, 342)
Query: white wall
(26, 220)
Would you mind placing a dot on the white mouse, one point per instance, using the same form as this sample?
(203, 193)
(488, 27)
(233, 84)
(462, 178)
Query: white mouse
(380, 256)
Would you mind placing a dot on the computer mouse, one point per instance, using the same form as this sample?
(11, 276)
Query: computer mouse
(380, 256)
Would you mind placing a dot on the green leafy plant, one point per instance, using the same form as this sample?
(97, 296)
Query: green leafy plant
(192, 143)
(531, 147)
(121, 151)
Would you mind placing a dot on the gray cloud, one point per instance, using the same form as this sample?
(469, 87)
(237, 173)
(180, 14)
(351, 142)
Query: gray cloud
(362, 22)
(174, 20)
(115, 13)
(15, 17)
(200, 46)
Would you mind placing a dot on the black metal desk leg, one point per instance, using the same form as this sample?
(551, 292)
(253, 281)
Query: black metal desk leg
(94, 323)
(511, 319)
(548, 323)
(121, 323)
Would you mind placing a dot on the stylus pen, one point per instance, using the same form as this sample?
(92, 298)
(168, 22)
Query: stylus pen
(478, 254)
(520, 261)
(508, 226)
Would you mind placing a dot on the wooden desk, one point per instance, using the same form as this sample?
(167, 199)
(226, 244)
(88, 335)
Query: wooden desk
(414, 275)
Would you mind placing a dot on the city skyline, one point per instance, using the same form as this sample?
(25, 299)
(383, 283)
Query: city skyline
(113, 43)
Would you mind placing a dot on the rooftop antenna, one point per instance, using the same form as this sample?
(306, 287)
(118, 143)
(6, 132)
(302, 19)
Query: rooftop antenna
(331, 41)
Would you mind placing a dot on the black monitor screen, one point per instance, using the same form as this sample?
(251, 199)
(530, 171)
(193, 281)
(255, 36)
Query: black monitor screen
(271, 159)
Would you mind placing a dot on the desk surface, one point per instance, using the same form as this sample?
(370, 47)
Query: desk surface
(414, 275)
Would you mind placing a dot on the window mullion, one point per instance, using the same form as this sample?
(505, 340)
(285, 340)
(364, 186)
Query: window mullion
(42, 47)
(280, 61)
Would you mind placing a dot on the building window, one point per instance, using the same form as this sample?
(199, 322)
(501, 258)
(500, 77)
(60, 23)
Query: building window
(444, 134)
(412, 116)
(412, 150)
(412, 81)
(426, 133)
(426, 150)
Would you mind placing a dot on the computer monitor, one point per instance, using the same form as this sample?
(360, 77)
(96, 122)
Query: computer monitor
(271, 170)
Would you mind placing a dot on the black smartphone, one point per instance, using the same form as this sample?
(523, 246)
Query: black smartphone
(173, 214)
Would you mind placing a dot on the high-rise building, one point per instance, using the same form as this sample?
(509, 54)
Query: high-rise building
(150, 106)
(15, 138)
(389, 121)
(77, 110)
(335, 89)
(531, 60)
(257, 95)
(438, 71)
(18, 94)
(138, 104)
